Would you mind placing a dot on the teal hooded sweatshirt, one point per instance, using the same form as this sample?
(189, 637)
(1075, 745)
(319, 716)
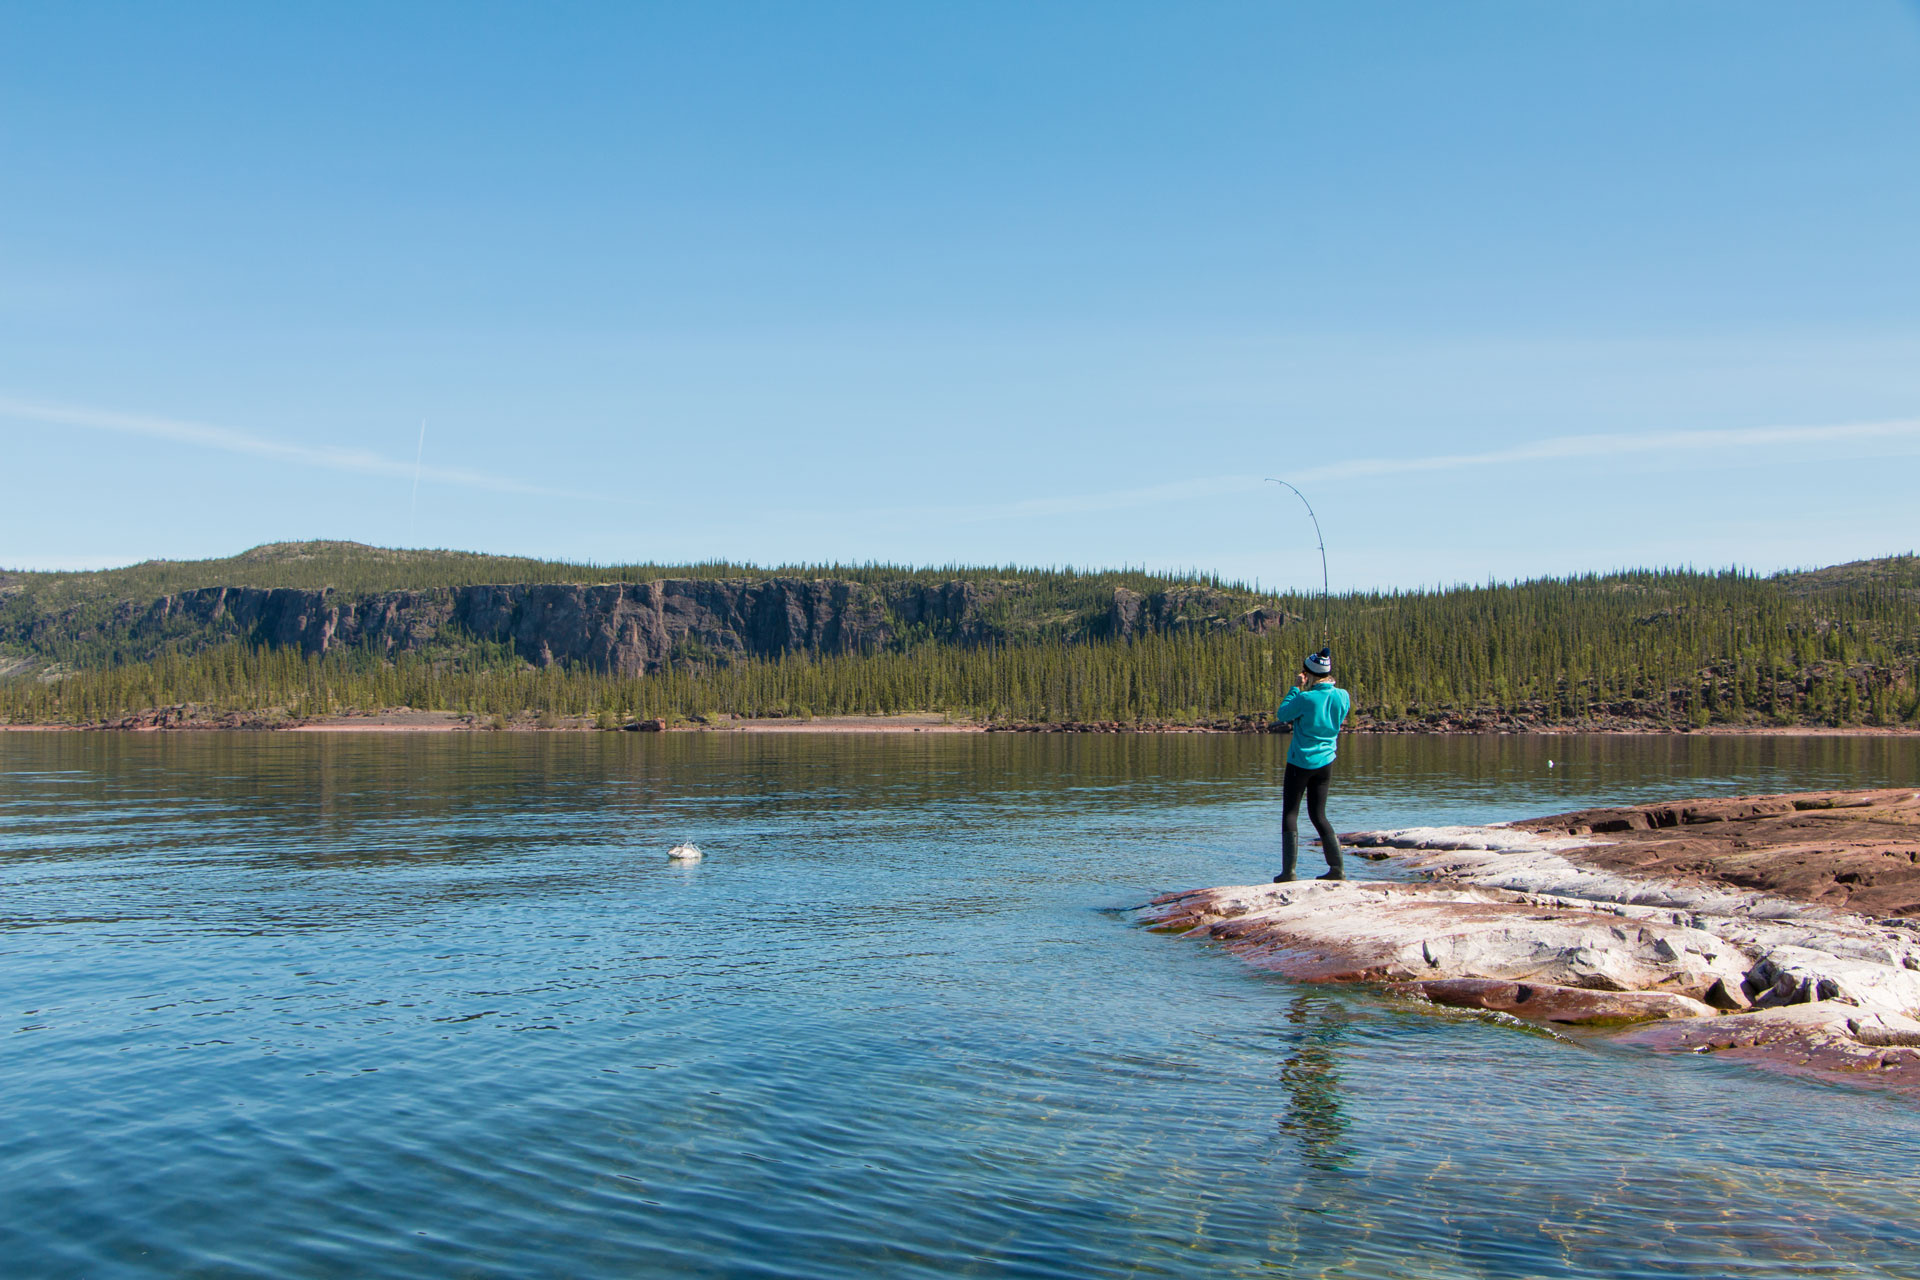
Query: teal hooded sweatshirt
(1316, 714)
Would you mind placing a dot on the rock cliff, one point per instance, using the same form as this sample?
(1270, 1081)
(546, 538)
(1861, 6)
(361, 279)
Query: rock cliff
(1133, 613)
(628, 628)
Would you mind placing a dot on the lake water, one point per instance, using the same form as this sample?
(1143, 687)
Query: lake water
(438, 1006)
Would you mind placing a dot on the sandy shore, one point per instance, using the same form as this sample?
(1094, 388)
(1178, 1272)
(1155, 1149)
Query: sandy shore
(847, 724)
(388, 722)
(454, 722)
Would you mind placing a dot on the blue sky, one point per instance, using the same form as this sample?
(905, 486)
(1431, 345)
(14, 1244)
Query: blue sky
(1507, 288)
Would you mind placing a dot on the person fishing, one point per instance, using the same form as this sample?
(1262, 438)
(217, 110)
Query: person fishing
(1316, 707)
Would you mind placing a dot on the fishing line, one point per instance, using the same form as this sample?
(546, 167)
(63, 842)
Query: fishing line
(420, 452)
(1326, 593)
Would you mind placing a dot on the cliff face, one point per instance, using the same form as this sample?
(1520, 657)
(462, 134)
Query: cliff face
(634, 627)
(1132, 613)
(628, 628)
(314, 621)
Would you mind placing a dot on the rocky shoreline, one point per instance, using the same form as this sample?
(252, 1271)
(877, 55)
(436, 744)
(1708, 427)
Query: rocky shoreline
(1782, 930)
(191, 718)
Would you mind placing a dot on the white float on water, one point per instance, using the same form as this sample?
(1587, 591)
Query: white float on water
(684, 853)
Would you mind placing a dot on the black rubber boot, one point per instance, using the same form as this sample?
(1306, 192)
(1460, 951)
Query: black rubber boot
(1336, 860)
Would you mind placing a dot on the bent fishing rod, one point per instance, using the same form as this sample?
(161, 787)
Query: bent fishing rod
(1326, 593)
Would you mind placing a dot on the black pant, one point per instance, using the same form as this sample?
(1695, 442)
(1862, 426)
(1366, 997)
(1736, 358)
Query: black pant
(1313, 784)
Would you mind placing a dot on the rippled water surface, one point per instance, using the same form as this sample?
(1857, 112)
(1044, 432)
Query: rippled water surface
(438, 1006)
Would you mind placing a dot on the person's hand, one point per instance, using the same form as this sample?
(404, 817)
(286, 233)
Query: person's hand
(1300, 680)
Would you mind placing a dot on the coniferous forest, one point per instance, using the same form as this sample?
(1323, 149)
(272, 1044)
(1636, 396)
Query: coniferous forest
(1653, 649)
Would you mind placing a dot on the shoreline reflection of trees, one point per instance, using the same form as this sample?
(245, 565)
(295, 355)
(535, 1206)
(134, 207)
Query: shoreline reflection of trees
(1311, 1077)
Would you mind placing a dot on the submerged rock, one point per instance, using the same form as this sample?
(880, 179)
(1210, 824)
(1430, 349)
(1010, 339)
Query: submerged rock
(1826, 1038)
(1570, 1006)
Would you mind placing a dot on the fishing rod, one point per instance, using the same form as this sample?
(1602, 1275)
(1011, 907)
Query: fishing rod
(1326, 592)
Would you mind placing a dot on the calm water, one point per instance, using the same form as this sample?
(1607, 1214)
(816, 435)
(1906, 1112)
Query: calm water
(437, 1006)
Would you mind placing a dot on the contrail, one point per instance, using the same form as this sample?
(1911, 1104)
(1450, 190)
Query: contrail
(413, 508)
(1557, 447)
(228, 440)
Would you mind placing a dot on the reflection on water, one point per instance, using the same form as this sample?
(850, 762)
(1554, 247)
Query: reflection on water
(438, 1005)
(1310, 1073)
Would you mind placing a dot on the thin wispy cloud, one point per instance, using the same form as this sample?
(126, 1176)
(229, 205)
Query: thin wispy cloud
(1560, 448)
(1553, 449)
(227, 440)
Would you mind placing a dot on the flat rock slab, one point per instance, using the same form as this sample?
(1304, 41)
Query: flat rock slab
(1858, 851)
(1380, 931)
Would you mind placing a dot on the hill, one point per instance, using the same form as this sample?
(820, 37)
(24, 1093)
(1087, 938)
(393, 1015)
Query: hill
(306, 628)
(356, 569)
(621, 619)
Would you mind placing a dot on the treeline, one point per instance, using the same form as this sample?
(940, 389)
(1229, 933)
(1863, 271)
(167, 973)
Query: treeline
(1178, 678)
(1660, 649)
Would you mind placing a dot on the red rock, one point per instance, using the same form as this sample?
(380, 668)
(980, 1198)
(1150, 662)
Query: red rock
(1857, 850)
